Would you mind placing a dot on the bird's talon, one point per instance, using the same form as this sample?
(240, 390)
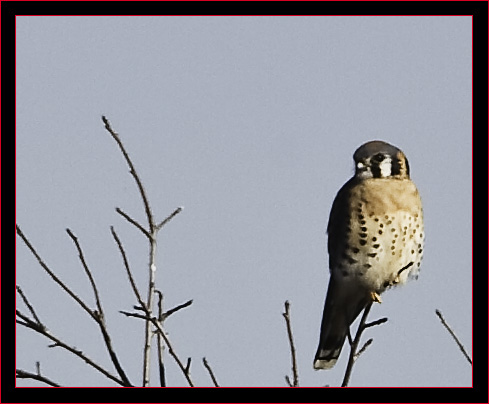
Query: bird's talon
(375, 297)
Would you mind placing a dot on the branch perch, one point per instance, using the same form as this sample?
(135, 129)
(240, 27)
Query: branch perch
(354, 354)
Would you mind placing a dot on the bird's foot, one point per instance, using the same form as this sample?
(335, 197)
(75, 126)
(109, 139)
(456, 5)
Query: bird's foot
(375, 297)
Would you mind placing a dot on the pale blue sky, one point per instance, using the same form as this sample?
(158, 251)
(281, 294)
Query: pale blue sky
(250, 123)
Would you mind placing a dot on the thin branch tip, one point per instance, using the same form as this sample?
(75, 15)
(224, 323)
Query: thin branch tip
(295, 373)
(211, 373)
(452, 333)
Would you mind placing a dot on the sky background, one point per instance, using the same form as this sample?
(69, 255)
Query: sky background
(250, 124)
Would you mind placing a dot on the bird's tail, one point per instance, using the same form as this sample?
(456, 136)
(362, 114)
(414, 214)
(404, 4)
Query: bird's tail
(344, 302)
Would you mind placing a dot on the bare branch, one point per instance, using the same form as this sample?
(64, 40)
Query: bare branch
(161, 331)
(363, 348)
(161, 346)
(152, 241)
(41, 329)
(211, 373)
(292, 347)
(29, 306)
(354, 354)
(100, 316)
(128, 269)
(376, 322)
(187, 366)
(151, 234)
(168, 313)
(52, 275)
(133, 222)
(95, 315)
(162, 317)
(449, 329)
(137, 315)
(350, 339)
(133, 172)
(22, 374)
(148, 333)
(112, 354)
(27, 322)
(175, 212)
(87, 270)
(144, 306)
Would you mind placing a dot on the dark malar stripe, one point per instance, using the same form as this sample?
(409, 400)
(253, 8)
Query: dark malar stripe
(396, 167)
(375, 168)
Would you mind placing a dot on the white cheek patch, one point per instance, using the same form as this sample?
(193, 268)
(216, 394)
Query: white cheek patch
(385, 167)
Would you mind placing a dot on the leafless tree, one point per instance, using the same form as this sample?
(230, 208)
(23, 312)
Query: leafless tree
(144, 308)
(152, 318)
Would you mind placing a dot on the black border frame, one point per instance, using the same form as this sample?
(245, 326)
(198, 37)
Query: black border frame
(477, 9)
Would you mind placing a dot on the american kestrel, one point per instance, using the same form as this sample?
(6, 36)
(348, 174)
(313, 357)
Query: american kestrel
(375, 241)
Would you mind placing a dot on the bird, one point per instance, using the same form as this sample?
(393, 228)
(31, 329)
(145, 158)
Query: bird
(375, 241)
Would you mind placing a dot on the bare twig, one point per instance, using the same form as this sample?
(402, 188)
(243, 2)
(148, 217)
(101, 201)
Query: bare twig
(159, 340)
(29, 306)
(170, 217)
(211, 373)
(133, 172)
(128, 269)
(354, 354)
(184, 369)
(22, 374)
(376, 322)
(187, 366)
(137, 315)
(449, 329)
(112, 354)
(292, 347)
(363, 348)
(87, 270)
(171, 350)
(27, 322)
(168, 313)
(133, 222)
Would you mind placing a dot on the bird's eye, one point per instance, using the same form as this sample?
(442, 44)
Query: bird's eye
(378, 157)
